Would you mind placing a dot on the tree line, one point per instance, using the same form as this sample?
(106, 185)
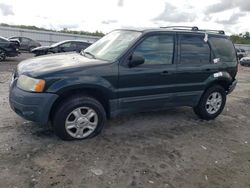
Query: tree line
(242, 38)
(65, 30)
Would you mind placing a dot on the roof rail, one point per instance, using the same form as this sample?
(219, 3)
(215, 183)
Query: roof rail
(214, 31)
(194, 28)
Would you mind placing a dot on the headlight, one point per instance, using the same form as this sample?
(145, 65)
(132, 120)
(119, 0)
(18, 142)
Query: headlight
(30, 84)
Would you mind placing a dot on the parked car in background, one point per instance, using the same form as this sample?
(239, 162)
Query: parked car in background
(64, 46)
(26, 44)
(8, 48)
(240, 53)
(245, 61)
(126, 71)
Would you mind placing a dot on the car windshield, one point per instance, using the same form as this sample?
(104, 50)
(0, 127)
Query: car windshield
(111, 46)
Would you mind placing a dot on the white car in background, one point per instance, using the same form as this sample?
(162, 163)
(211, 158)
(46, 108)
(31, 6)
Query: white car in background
(245, 61)
(240, 53)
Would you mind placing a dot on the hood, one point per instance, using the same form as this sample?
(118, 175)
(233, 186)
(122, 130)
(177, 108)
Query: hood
(40, 48)
(52, 63)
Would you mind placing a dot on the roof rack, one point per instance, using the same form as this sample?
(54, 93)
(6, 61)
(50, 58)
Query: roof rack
(214, 31)
(194, 28)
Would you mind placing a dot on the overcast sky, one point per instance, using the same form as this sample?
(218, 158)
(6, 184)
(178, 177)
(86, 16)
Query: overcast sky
(233, 16)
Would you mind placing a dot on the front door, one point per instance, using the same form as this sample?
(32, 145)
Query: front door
(150, 85)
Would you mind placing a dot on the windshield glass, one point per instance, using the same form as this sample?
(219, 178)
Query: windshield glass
(112, 45)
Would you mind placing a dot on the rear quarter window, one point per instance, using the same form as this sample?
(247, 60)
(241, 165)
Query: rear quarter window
(194, 49)
(223, 48)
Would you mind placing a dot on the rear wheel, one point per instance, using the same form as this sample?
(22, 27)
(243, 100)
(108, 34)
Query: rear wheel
(2, 55)
(211, 103)
(78, 118)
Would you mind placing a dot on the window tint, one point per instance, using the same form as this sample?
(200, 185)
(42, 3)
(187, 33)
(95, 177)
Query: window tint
(194, 49)
(25, 39)
(156, 49)
(65, 45)
(223, 48)
(73, 45)
(82, 45)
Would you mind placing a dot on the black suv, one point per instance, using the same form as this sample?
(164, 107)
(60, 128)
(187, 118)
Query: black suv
(126, 71)
(8, 48)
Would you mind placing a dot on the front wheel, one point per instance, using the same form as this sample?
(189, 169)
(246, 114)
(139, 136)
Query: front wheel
(211, 103)
(78, 118)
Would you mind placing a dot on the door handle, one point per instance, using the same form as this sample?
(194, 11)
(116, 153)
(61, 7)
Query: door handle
(163, 73)
(208, 70)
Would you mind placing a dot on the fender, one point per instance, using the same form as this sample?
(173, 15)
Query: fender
(83, 82)
(220, 76)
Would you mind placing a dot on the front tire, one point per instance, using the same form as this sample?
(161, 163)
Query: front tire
(78, 118)
(211, 103)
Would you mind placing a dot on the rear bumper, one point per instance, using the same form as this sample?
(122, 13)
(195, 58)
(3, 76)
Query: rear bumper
(31, 106)
(232, 87)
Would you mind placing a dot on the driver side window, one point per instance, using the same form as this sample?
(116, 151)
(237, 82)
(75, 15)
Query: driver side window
(65, 45)
(157, 49)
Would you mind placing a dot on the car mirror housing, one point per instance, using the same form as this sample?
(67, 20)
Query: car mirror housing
(135, 61)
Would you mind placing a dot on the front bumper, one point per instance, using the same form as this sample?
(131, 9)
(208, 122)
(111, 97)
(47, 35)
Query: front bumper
(232, 87)
(31, 106)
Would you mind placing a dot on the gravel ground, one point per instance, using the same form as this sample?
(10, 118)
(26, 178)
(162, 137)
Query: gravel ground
(166, 149)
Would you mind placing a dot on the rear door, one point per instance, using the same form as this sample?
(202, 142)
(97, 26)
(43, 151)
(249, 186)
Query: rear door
(195, 65)
(149, 85)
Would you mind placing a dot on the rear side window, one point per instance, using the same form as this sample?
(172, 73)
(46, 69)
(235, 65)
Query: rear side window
(223, 48)
(82, 45)
(25, 39)
(194, 50)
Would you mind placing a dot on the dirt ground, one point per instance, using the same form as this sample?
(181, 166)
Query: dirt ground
(166, 149)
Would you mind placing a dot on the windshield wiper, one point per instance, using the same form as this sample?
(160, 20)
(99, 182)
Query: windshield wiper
(90, 54)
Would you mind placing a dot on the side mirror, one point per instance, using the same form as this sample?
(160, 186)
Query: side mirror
(135, 60)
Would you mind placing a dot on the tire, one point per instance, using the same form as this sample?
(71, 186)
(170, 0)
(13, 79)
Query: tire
(205, 109)
(2, 55)
(70, 109)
